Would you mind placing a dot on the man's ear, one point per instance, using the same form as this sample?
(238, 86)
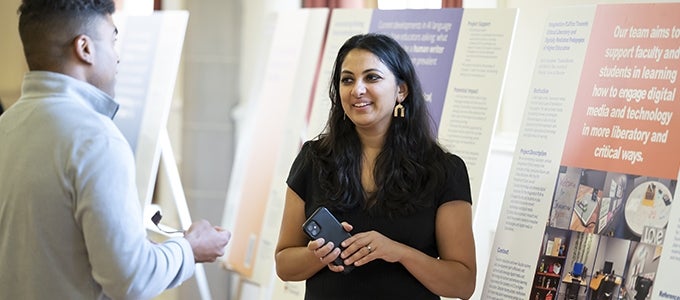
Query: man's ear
(84, 48)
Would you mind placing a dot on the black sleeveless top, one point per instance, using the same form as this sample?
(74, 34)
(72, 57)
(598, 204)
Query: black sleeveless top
(378, 279)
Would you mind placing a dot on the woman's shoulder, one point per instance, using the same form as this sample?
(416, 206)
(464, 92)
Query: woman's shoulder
(308, 154)
(310, 143)
(316, 147)
(454, 159)
(309, 147)
(452, 165)
(457, 179)
(441, 156)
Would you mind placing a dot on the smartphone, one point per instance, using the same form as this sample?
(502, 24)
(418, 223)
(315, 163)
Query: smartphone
(322, 224)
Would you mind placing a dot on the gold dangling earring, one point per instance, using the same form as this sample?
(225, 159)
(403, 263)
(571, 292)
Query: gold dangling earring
(399, 110)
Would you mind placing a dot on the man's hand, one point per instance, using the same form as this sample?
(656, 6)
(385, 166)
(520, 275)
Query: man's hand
(207, 241)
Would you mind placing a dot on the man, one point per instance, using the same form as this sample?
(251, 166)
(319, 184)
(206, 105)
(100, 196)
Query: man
(70, 219)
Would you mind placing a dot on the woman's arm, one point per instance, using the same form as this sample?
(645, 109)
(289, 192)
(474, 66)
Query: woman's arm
(295, 256)
(452, 275)
(455, 272)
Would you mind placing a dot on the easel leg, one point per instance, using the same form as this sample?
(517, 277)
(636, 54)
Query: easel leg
(168, 168)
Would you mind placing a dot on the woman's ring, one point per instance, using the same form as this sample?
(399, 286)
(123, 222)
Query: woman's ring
(369, 248)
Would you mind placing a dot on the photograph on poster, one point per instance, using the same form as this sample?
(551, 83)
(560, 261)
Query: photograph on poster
(580, 265)
(604, 235)
(640, 271)
(588, 200)
(551, 263)
(626, 206)
(608, 268)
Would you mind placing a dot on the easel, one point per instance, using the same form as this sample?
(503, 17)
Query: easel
(145, 106)
(167, 169)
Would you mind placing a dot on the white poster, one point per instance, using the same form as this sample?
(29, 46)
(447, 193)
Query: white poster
(269, 144)
(589, 208)
(533, 174)
(150, 48)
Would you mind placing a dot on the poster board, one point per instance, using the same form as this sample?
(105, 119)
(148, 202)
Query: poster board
(452, 82)
(150, 48)
(255, 197)
(472, 102)
(461, 57)
(271, 138)
(593, 180)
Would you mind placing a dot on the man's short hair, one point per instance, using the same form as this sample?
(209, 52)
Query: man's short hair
(47, 27)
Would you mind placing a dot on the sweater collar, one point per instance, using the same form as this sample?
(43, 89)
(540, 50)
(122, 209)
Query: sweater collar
(49, 84)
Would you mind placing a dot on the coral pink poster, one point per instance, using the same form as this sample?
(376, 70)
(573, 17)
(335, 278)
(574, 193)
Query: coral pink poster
(623, 112)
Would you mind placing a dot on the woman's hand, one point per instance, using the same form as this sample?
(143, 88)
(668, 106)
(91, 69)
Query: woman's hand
(326, 253)
(364, 247)
(329, 252)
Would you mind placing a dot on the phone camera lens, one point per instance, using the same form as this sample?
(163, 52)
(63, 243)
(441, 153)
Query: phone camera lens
(313, 228)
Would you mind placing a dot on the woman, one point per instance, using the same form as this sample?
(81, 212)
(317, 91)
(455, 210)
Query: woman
(378, 168)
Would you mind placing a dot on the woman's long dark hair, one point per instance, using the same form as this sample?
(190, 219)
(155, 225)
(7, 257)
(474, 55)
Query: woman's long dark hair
(408, 170)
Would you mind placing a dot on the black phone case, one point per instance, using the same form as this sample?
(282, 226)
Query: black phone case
(329, 229)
